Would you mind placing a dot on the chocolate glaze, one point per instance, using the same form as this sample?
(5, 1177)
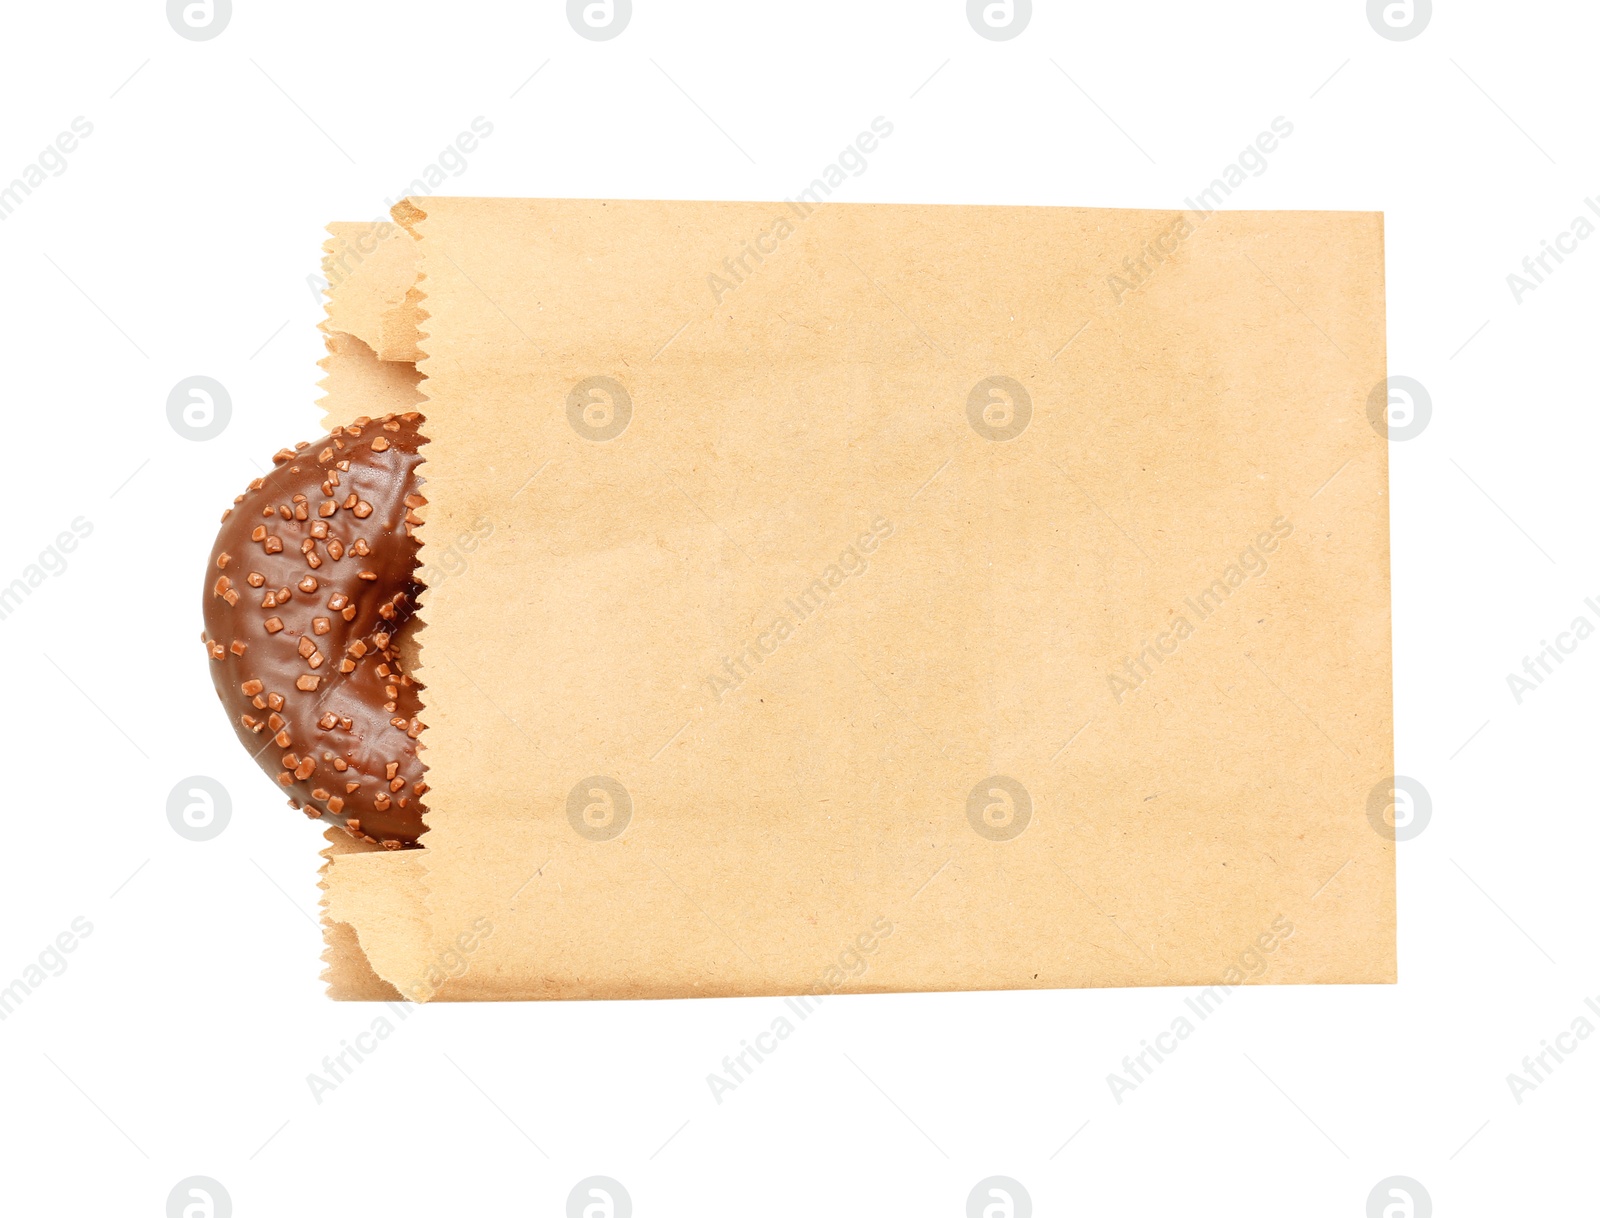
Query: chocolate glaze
(311, 580)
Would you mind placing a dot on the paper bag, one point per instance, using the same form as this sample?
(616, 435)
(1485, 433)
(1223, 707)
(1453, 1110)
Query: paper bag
(861, 598)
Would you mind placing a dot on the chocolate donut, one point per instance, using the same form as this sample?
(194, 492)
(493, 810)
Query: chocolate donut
(311, 581)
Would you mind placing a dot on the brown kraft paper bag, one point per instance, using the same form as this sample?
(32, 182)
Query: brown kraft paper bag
(864, 598)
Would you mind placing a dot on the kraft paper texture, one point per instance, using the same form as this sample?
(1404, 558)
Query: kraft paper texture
(861, 598)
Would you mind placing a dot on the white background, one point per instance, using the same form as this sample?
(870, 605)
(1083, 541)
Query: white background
(178, 241)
